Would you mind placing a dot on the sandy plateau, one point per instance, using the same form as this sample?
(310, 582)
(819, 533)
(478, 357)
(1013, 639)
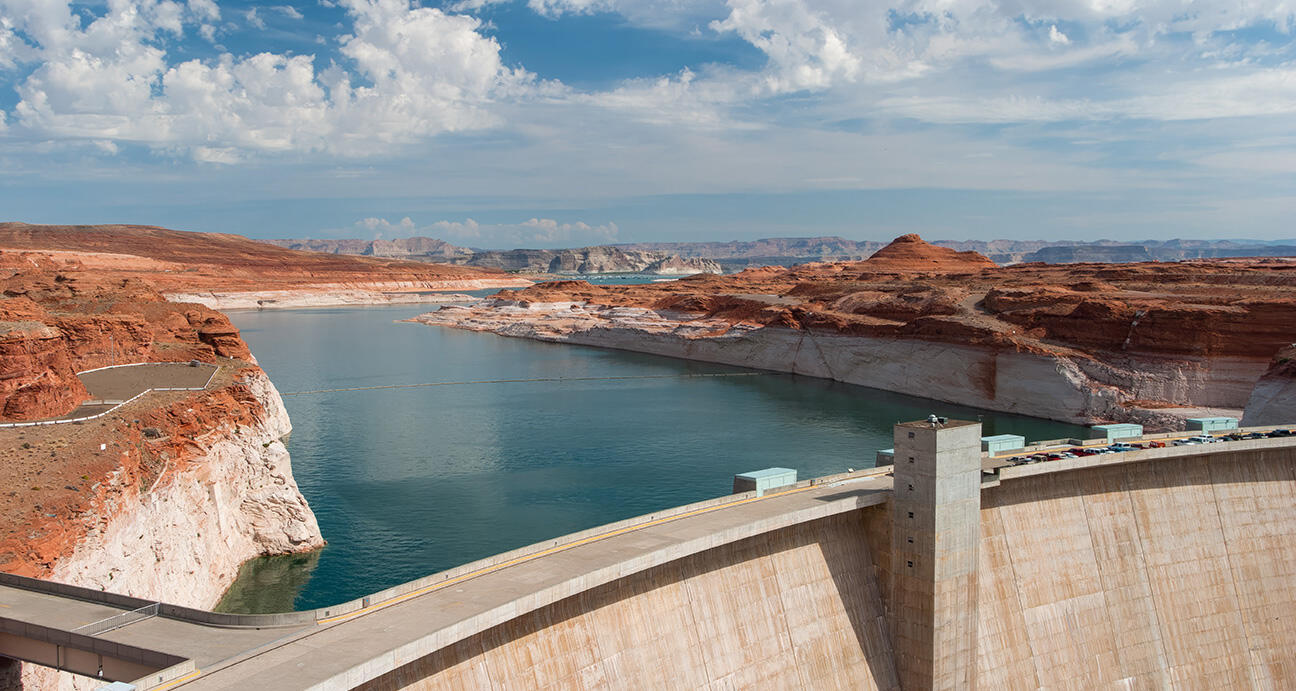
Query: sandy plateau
(232, 272)
(1151, 343)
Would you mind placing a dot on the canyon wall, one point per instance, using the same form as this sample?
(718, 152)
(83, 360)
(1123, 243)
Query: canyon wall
(1152, 343)
(1072, 388)
(181, 533)
(1173, 573)
(183, 539)
(1273, 402)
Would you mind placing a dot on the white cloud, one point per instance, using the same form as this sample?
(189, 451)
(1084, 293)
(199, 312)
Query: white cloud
(806, 50)
(420, 72)
(204, 10)
(412, 73)
(288, 11)
(532, 232)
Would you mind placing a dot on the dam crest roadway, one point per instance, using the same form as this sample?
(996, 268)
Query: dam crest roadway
(810, 585)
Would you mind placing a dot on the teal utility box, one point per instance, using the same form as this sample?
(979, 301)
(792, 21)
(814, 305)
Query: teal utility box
(1212, 424)
(885, 457)
(1114, 432)
(1000, 443)
(764, 480)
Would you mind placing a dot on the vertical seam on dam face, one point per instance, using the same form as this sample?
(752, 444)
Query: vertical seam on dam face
(1232, 572)
(1157, 614)
(1017, 592)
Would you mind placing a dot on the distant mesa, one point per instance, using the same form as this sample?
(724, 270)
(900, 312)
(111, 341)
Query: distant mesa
(602, 259)
(912, 253)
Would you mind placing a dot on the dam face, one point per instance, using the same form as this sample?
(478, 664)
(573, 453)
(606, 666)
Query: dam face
(1165, 573)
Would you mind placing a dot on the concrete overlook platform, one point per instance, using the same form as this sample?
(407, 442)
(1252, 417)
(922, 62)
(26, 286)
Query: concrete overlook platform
(1164, 568)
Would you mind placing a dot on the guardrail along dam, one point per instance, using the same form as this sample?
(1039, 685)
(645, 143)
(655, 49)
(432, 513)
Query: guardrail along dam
(1158, 568)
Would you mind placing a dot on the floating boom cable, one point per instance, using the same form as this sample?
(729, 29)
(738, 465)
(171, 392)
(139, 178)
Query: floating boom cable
(525, 381)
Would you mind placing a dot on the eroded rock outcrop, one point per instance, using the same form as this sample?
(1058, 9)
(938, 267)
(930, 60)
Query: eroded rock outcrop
(1273, 401)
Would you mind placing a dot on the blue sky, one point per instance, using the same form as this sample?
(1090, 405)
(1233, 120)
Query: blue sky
(543, 123)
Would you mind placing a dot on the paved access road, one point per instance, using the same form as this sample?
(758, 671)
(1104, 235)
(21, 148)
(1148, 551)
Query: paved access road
(345, 650)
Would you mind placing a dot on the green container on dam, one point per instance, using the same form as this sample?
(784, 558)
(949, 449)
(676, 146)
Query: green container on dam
(1000, 443)
(1113, 432)
(1212, 424)
(764, 480)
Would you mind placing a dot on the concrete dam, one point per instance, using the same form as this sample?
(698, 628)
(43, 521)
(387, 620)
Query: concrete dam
(1160, 568)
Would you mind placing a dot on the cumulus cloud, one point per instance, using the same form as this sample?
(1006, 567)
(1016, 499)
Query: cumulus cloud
(543, 232)
(410, 73)
(805, 49)
(418, 72)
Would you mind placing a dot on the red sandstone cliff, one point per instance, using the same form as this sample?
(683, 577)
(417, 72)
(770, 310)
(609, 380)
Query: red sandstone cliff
(1080, 342)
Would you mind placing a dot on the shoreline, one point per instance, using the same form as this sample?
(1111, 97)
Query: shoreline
(1078, 389)
(339, 295)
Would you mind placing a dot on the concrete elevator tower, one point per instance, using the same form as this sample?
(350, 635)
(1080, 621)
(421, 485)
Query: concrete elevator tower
(934, 534)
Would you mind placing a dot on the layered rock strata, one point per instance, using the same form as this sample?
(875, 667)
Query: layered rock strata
(1088, 343)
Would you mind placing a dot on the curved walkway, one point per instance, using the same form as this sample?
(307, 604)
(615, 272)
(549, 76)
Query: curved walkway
(114, 386)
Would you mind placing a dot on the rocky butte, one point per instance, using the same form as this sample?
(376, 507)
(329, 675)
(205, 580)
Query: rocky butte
(165, 497)
(1148, 342)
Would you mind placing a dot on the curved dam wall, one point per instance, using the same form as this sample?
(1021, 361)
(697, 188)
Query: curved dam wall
(1175, 573)
(772, 611)
(1169, 573)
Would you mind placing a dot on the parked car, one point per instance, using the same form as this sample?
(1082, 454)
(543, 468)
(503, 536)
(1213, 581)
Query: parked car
(1281, 433)
(1156, 444)
(1120, 447)
(1204, 439)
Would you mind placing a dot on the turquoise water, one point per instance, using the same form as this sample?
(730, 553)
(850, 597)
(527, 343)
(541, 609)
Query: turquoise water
(408, 482)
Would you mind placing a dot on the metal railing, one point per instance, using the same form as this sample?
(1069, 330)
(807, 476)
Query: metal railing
(116, 621)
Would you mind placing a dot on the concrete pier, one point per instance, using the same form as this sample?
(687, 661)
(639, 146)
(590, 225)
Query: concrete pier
(934, 535)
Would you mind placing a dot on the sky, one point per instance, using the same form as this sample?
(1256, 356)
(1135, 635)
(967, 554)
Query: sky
(555, 123)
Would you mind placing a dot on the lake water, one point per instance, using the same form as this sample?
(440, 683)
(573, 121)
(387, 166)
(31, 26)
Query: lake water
(408, 482)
